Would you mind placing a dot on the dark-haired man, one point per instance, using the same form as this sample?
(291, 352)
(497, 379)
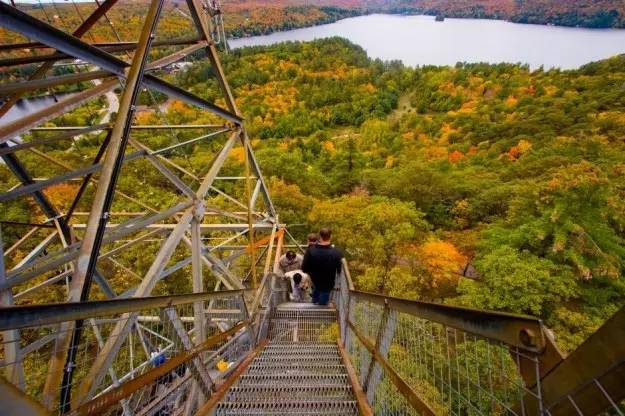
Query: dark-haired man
(322, 262)
(290, 261)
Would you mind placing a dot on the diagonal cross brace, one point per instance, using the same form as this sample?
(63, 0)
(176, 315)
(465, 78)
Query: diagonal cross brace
(20, 22)
(175, 328)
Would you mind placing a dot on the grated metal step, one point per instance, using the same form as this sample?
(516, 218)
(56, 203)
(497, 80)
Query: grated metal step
(311, 369)
(294, 379)
(299, 361)
(271, 393)
(300, 348)
(299, 407)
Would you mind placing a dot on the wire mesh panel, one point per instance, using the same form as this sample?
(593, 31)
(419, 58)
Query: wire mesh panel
(456, 372)
(412, 365)
(413, 357)
(163, 356)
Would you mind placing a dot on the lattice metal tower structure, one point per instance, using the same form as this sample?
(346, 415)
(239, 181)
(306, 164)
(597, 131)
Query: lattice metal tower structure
(105, 237)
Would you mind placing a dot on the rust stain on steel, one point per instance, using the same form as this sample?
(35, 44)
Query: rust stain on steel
(500, 326)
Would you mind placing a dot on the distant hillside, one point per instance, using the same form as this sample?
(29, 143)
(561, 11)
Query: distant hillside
(583, 13)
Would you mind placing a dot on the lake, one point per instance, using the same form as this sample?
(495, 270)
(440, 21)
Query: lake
(420, 40)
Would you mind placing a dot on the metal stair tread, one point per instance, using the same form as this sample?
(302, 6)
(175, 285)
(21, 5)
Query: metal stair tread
(294, 379)
(284, 404)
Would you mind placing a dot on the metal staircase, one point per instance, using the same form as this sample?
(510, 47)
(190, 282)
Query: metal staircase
(299, 372)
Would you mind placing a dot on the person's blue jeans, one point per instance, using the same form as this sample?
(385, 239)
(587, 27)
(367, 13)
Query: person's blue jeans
(320, 297)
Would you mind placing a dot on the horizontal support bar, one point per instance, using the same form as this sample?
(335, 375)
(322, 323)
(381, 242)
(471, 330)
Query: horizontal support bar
(37, 45)
(519, 331)
(21, 125)
(18, 317)
(136, 127)
(211, 227)
(38, 186)
(21, 87)
(112, 47)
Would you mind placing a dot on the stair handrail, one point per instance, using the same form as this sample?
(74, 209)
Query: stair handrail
(523, 336)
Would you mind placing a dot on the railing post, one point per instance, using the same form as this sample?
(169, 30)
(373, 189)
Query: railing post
(349, 313)
(382, 345)
(245, 316)
(342, 305)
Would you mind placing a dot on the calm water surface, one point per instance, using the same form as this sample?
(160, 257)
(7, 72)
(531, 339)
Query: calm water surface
(419, 40)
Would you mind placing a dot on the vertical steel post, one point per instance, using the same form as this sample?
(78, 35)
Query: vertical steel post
(103, 199)
(199, 326)
(14, 370)
(250, 203)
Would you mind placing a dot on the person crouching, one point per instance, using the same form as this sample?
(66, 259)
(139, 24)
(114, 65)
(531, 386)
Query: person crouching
(300, 283)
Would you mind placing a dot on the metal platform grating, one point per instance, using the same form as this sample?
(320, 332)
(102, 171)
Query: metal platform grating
(300, 371)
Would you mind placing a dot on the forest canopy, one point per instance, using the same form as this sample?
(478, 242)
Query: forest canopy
(468, 185)
(425, 171)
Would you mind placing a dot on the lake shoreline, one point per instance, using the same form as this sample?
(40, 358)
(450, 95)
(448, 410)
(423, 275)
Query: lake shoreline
(413, 12)
(420, 40)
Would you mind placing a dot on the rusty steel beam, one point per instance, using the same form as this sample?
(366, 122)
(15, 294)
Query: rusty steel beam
(523, 332)
(89, 251)
(22, 87)
(591, 378)
(361, 398)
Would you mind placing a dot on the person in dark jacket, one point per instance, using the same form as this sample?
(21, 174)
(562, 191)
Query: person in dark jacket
(322, 262)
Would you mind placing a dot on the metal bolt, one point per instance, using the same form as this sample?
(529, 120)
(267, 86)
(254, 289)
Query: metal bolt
(527, 337)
